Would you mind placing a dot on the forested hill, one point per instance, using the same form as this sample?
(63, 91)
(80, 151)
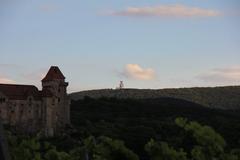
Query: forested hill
(216, 97)
(137, 121)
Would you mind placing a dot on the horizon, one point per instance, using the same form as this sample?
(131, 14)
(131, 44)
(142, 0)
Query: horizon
(147, 45)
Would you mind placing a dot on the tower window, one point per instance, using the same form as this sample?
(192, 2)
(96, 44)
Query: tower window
(30, 101)
(53, 101)
(2, 100)
(59, 99)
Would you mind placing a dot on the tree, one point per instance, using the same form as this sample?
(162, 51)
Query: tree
(103, 148)
(26, 149)
(30, 148)
(210, 145)
(162, 151)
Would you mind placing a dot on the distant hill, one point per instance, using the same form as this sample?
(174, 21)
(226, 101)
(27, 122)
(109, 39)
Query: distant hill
(216, 97)
(135, 121)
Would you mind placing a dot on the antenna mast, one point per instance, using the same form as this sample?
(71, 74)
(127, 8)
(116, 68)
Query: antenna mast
(121, 85)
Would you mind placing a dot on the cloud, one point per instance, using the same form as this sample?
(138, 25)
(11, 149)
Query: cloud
(135, 71)
(10, 66)
(6, 80)
(6, 67)
(176, 10)
(230, 74)
(36, 75)
(49, 8)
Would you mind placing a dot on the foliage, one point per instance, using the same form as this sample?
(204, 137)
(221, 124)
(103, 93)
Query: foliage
(162, 151)
(31, 148)
(209, 145)
(215, 97)
(102, 148)
(137, 121)
(114, 150)
(24, 149)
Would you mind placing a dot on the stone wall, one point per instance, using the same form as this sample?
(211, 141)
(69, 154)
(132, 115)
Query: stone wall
(24, 115)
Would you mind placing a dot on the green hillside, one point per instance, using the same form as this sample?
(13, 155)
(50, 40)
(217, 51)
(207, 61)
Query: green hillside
(217, 97)
(137, 121)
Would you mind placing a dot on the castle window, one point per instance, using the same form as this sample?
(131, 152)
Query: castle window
(30, 101)
(59, 99)
(53, 101)
(2, 100)
(59, 90)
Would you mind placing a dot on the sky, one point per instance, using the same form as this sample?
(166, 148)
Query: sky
(145, 43)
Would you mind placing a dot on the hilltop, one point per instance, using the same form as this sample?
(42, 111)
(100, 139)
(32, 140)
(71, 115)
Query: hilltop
(136, 121)
(214, 97)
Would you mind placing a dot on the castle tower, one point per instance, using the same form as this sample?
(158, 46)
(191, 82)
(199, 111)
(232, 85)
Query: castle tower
(56, 107)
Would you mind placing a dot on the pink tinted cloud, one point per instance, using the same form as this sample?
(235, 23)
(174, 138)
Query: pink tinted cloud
(228, 74)
(35, 75)
(135, 71)
(176, 10)
(6, 80)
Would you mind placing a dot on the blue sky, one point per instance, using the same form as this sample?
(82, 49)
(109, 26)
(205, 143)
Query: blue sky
(147, 44)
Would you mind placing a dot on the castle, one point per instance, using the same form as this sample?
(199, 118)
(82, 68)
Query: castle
(29, 110)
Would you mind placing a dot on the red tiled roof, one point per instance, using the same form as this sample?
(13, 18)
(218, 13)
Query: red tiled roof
(53, 73)
(19, 92)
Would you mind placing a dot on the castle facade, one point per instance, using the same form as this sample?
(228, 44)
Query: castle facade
(30, 110)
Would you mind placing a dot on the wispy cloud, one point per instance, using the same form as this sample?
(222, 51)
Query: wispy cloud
(8, 65)
(49, 8)
(176, 10)
(6, 80)
(36, 75)
(135, 71)
(230, 74)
